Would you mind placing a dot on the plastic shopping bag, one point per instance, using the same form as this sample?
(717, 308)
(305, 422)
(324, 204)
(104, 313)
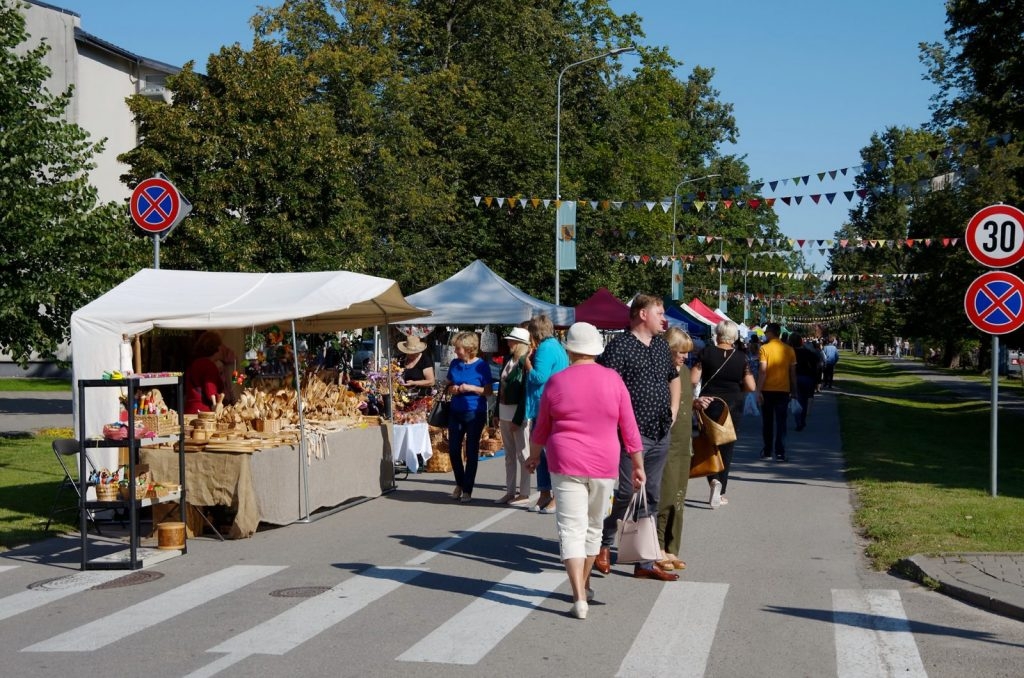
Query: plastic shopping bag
(750, 405)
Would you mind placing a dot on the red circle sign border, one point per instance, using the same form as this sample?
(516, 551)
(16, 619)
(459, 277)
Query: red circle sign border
(975, 287)
(169, 218)
(977, 220)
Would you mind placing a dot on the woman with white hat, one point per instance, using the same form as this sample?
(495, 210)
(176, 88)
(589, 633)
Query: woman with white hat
(512, 400)
(418, 372)
(582, 411)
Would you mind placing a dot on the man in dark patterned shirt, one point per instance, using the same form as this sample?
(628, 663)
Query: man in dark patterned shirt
(643, 360)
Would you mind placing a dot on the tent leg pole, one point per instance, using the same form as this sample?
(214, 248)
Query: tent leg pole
(303, 466)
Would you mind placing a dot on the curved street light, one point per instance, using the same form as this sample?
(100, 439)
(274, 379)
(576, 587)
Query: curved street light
(675, 199)
(558, 148)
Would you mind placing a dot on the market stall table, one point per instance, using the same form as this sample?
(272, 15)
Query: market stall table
(266, 485)
(412, 445)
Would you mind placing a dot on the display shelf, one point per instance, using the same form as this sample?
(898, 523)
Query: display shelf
(135, 556)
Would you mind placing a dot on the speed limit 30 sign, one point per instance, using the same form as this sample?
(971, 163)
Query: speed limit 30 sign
(995, 236)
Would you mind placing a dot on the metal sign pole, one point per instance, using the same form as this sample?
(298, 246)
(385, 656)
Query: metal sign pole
(156, 251)
(994, 418)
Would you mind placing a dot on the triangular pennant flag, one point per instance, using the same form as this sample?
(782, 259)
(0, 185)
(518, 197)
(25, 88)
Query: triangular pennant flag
(739, 204)
(488, 200)
(821, 176)
(773, 184)
(698, 206)
(727, 203)
(849, 195)
(830, 197)
(535, 202)
(796, 181)
(547, 202)
(910, 242)
(844, 171)
(806, 179)
(844, 242)
(754, 204)
(617, 204)
(665, 205)
(650, 205)
(631, 234)
(604, 204)
(786, 199)
(581, 203)
(798, 199)
(522, 202)
(770, 202)
(832, 174)
(816, 197)
(801, 243)
(593, 205)
(862, 193)
(476, 200)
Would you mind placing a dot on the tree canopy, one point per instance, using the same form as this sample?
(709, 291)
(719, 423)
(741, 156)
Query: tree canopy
(58, 247)
(355, 135)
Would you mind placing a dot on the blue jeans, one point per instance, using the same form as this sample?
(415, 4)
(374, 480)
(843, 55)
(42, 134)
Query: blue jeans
(468, 426)
(543, 474)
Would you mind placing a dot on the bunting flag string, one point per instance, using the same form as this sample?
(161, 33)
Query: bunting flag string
(665, 261)
(699, 201)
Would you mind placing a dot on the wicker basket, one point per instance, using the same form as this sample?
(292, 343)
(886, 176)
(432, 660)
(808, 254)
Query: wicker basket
(439, 462)
(437, 435)
(267, 425)
(107, 492)
(489, 447)
(160, 424)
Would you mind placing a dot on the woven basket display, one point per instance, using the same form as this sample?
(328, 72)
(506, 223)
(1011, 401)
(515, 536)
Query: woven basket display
(160, 424)
(107, 492)
(439, 462)
(437, 435)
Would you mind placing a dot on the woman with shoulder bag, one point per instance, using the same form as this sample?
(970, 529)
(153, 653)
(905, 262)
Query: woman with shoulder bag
(469, 384)
(515, 437)
(723, 373)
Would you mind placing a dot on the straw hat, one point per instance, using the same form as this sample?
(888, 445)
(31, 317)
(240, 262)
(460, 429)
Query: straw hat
(584, 339)
(518, 334)
(412, 345)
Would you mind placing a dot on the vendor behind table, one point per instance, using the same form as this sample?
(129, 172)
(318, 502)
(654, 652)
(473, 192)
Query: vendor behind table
(204, 379)
(417, 372)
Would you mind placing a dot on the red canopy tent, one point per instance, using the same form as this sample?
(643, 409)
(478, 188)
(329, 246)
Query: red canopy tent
(702, 310)
(604, 311)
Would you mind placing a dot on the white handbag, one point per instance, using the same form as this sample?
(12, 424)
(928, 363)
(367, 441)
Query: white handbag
(637, 537)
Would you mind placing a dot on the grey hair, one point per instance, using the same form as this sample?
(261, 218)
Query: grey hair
(726, 332)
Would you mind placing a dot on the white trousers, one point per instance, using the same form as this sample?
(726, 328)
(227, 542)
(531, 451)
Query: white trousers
(582, 505)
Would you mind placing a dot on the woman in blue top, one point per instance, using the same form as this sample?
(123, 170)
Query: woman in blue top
(469, 384)
(548, 358)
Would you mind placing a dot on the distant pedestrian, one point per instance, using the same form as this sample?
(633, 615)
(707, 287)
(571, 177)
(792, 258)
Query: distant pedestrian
(776, 384)
(469, 384)
(512, 400)
(676, 476)
(831, 353)
(808, 370)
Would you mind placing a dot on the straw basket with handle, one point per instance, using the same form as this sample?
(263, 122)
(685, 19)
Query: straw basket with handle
(439, 462)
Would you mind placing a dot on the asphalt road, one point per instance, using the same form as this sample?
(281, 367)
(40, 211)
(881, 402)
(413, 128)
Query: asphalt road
(411, 584)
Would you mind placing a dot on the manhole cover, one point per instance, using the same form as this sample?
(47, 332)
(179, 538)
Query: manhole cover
(80, 581)
(300, 592)
(138, 577)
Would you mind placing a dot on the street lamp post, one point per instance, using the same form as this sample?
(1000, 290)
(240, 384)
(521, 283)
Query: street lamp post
(558, 149)
(675, 199)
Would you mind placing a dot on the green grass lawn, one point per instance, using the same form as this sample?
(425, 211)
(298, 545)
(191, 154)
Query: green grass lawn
(32, 384)
(918, 459)
(29, 476)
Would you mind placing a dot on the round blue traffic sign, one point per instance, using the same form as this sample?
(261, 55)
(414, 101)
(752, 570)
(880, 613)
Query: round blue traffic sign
(155, 205)
(995, 302)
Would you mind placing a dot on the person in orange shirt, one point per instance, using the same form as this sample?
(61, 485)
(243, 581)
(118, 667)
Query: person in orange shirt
(776, 384)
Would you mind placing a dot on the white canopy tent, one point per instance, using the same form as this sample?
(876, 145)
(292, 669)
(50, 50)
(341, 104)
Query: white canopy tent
(476, 295)
(326, 301)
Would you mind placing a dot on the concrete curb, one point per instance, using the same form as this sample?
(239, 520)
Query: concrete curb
(962, 576)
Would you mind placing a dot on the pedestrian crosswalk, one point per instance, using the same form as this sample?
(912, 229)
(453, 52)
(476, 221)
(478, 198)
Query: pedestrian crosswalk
(872, 635)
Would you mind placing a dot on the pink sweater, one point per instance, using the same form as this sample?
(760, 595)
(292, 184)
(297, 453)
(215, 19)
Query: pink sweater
(581, 413)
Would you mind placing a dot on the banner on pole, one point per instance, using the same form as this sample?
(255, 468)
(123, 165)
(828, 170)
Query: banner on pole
(567, 236)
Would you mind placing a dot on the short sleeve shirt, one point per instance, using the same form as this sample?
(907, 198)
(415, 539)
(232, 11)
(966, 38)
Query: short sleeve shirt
(646, 370)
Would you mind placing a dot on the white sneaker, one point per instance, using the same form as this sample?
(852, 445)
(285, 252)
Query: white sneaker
(716, 494)
(580, 609)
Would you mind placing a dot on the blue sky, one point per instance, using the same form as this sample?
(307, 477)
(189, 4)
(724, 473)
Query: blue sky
(810, 80)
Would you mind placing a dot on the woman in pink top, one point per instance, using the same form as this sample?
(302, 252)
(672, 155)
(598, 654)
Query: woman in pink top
(582, 411)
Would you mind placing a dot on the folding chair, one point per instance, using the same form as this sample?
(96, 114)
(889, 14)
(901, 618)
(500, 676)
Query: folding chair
(62, 449)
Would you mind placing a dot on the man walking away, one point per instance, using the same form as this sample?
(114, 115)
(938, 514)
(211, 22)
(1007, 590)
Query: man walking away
(776, 384)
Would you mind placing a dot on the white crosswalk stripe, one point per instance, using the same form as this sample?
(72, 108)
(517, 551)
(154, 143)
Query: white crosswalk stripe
(37, 597)
(467, 637)
(873, 636)
(102, 632)
(677, 635)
